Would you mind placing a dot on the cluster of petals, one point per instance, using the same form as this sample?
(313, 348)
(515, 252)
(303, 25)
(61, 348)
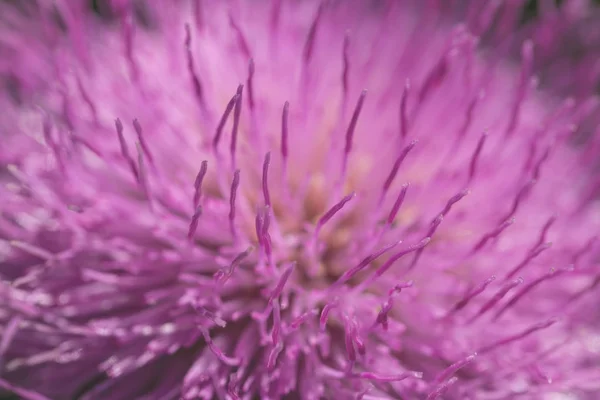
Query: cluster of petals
(324, 199)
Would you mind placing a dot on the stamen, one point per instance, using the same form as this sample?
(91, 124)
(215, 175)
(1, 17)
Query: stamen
(493, 234)
(143, 181)
(395, 168)
(223, 120)
(435, 224)
(441, 389)
(332, 211)
(229, 361)
(302, 319)
(496, 298)
(87, 100)
(250, 84)
(537, 327)
(266, 238)
(351, 128)
(403, 113)
(273, 356)
(194, 223)
(265, 179)
(544, 231)
(325, 313)
(397, 204)
(584, 250)
(310, 39)
(196, 84)
(533, 144)
(124, 149)
(437, 221)
(469, 114)
(281, 283)
(224, 274)
(532, 254)
(475, 157)
(538, 166)
(138, 130)
(266, 220)
(472, 294)
(398, 288)
(345, 68)
(453, 200)
(363, 264)
(358, 342)
(258, 223)
(276, 322)
(453, 369)
(350, 351)
(198, 183)
(519, 198)
(527, 288)
(382, 316)
(424, 242)
(209, 315)
(527, 56)
(242, 43)
(284, 132)
(236, 122)
(234, 187)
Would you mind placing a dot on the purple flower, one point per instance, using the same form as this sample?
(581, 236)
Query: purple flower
(299, 199)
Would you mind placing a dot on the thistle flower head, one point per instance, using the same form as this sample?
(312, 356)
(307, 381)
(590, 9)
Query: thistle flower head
(300, 200)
